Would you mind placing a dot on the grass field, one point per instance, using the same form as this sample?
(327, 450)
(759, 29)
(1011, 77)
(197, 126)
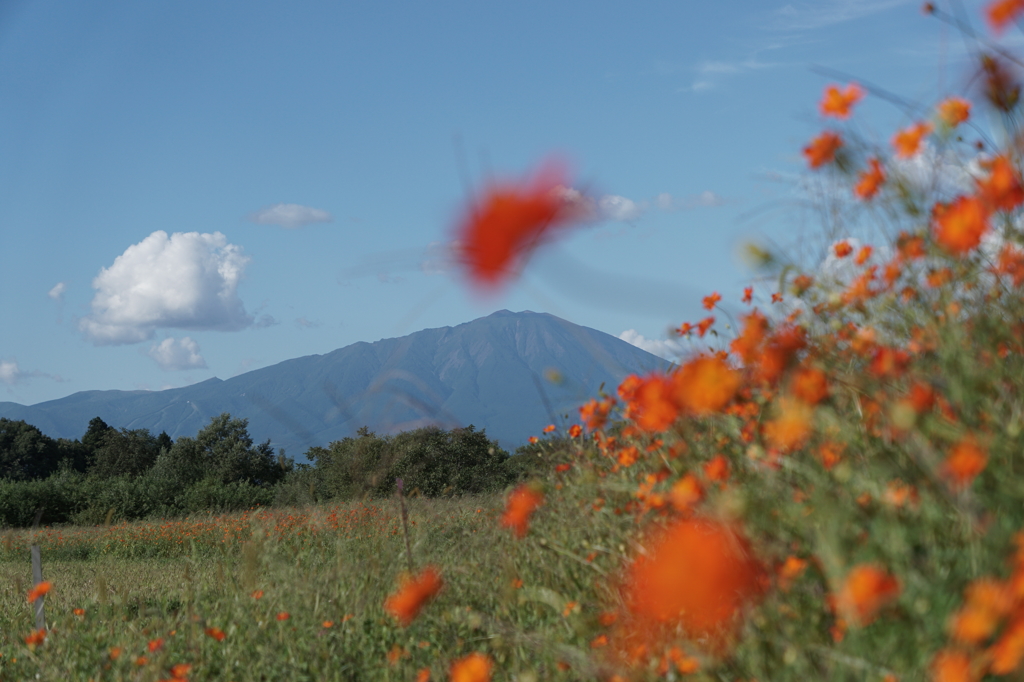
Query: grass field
(298, 594)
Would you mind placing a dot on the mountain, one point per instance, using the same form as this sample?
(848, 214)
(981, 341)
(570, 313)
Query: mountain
(508, 373)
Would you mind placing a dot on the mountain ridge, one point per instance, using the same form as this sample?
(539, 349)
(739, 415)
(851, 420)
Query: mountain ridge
(489, 372)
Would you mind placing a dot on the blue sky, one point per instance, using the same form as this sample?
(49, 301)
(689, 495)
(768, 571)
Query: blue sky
(198, 189)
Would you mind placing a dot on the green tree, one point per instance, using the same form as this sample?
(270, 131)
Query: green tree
(95, 433)
(25, 451)
(125, 453)
(222, 451)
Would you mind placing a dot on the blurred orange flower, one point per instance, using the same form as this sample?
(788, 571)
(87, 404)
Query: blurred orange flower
(952, 666)
(705, 385)
(1008, 651)
(686, 493)
(283, 615)
(822, 149)
(511, 220)
(575, 431)
(987, 602)
(697, 573)
(908, 141)
(704, 325)
(837, 103)
(748, 294)
(1001, 190)
(960, 226)
(863, 255)
(810, 385)
(842, 249)
(36, 638)
(413, 593)
(711, 300)
(521, 504)
(792, 427)
(966, 460)
(791, 569)
(870, 180)
(1002, 12)
(865, 591)
(717, 469)
(216, 633)
(476, 667)
(549, 428)
(653, 406)
(39, 590)
(953, 111)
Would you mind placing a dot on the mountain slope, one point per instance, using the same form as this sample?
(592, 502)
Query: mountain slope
(495, 373)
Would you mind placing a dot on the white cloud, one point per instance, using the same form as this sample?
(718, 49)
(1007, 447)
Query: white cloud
(57, 292)
(668, 349)
(303, 323)
(613, 207)
(186, 280)
(290, 216)
(10, 373)
(172, 354)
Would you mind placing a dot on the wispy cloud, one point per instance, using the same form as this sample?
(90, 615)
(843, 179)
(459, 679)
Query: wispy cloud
(11, 373)
(669, 349)
(711, 72)
(290, 216)
(803, 16)
(57, 292)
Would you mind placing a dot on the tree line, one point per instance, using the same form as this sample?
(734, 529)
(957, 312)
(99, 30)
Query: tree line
(112, 474)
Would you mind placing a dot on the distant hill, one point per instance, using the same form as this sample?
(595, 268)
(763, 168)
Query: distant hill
(508, 373)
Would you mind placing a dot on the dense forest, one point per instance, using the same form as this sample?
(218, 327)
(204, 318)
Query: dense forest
(114, 474)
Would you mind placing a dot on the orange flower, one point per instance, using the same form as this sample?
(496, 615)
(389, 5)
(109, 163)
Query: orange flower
(748, 294)
(686, 493)
(908, 141)
(575, 431)
(653, 406)
(180, 671)
(36, 638)
(533, 440)
(704, 325)
(987, 603)
(423, 675)
(509, 221)
(258, 594)
(413, 593)
(710, 301)
(39, 590)
(549, 428)
(748, 344)
(810, 385)
(790, 570)
(705, 385)
(952, 666)
(822, 149)
(836, 103)
(960, 226)
(697, 573)
(283, 615)
(1002, 12)
(1008, 650)
(521, 504)
(863, 255)
(595, 414)
(964, 463)
(869, 181)
(216, 633)
(717, 469)
(1002, 190)
(792, 427)
(842, 249)
(78, 612)
(865, 591)
(830, 453)
(473, 668)
(953, 111)
(115, 652)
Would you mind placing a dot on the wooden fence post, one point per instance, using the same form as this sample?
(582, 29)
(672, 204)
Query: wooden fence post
(37, 577)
